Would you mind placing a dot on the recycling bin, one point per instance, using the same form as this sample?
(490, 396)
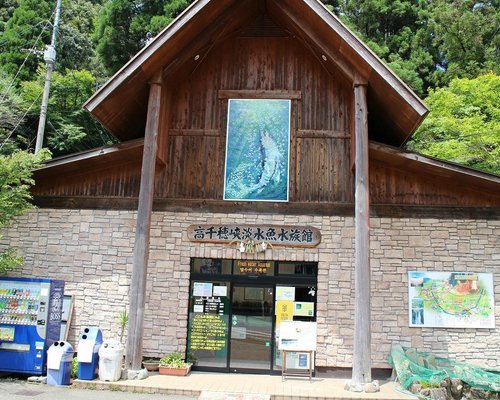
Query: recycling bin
(110, 360)
(88, 352)
(59, 358)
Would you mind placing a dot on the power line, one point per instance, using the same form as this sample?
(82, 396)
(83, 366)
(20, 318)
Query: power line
(24, 62)
(29, 28)
(20, 120)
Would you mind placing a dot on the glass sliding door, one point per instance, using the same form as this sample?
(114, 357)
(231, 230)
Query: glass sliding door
(251, 328)
(236, 308)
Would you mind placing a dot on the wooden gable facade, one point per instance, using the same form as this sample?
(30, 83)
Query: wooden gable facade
(258, 49)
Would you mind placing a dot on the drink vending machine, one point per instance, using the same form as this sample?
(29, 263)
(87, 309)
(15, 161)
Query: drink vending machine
(30, 322)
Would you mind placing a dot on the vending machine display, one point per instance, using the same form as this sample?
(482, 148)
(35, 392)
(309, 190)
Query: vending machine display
(30, 321)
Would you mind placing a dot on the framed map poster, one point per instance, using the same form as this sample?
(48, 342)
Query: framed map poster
(451, 300)
(257, 150)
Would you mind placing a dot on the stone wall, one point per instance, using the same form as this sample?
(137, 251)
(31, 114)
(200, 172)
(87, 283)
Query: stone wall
(92, 251)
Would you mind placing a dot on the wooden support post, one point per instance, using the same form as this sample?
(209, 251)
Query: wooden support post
(133, 354)
(361, 363)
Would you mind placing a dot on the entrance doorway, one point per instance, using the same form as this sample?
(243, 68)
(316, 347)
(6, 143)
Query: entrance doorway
(251, 328)
(235, 311)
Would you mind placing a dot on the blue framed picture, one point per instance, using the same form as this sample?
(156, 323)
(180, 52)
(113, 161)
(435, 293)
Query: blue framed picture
(257, 150)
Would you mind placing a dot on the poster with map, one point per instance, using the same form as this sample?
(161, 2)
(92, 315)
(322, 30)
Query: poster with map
(451, 299)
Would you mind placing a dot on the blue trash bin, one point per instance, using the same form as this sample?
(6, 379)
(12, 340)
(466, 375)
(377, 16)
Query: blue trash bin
(88, 352)
(59, 359)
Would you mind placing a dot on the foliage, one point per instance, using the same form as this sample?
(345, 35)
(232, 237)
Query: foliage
(427, 43)
(11, 114)
(69, 128)
(466, 33)
(124, 27)
(464, 123)
(398, 32)
(7, 8)
(123, 318)
(173, 360)
(15, 196)
(24, 37)
(74, 368)
(74, 45)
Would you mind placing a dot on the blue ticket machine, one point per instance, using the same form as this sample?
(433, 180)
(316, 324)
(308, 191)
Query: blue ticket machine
(88, 352)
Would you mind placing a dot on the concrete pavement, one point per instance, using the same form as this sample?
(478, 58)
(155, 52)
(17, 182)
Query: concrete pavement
(20, 389)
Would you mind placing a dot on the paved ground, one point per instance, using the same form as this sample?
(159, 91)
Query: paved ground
(207, 386)
(20, 389)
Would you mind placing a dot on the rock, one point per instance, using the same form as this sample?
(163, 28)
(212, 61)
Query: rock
(415, 387)
(446, 384)
(137, 374)
(353, 387)
(438, 394)
(456, 388)
(372, 387)
(481, 394)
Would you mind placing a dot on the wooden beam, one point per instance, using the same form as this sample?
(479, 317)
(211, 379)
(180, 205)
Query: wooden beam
(361, 368)
(142, 230)
(221, 206)
(260, 94)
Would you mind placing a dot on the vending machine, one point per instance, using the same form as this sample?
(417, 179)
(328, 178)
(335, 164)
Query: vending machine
(30, 321)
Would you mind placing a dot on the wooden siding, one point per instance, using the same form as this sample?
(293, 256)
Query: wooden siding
(192, 141)
(398, 186)
(256, 67)
(121, 180)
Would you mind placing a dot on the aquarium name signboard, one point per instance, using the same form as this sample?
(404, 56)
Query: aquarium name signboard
(257, 150)
(275, 235)
(451, 299)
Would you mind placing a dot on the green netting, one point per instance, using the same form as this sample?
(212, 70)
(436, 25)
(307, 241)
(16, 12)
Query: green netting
(412, 365)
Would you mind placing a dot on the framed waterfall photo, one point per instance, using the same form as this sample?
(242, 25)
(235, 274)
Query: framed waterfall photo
(257, 150)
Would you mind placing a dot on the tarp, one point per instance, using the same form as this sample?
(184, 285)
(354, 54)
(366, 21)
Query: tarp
(412, 365)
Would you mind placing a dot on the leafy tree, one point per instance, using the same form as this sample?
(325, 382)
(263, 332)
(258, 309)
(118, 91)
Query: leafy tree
(125, 26)
(15, 196)
(7, 8)
(69, 128)
(74, 45)
(466, 33)
(11, 115)
(24, 38)
(464, 123)
(398, 32)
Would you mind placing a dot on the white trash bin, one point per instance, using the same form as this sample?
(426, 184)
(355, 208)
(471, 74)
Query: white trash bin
(110, 360)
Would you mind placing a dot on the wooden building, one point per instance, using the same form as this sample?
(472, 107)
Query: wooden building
(349, 117)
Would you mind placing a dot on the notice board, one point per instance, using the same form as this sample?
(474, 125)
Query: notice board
(297, 336)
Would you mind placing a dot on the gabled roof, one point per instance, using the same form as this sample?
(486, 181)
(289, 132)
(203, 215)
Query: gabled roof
(121, 103)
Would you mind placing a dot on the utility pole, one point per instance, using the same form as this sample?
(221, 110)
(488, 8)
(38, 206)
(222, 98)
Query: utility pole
(49, 56)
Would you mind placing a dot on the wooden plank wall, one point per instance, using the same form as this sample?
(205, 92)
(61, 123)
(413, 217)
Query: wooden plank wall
(196, 129)
(121, 180)
(192, 138)
(396, 186)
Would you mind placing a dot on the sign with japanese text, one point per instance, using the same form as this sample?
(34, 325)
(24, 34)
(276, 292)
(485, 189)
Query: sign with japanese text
(276, 235)
(253, 267)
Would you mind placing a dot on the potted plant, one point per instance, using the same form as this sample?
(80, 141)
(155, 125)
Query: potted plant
(173, 364)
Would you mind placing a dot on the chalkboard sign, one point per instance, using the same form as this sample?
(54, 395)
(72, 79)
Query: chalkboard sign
(297, 336)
